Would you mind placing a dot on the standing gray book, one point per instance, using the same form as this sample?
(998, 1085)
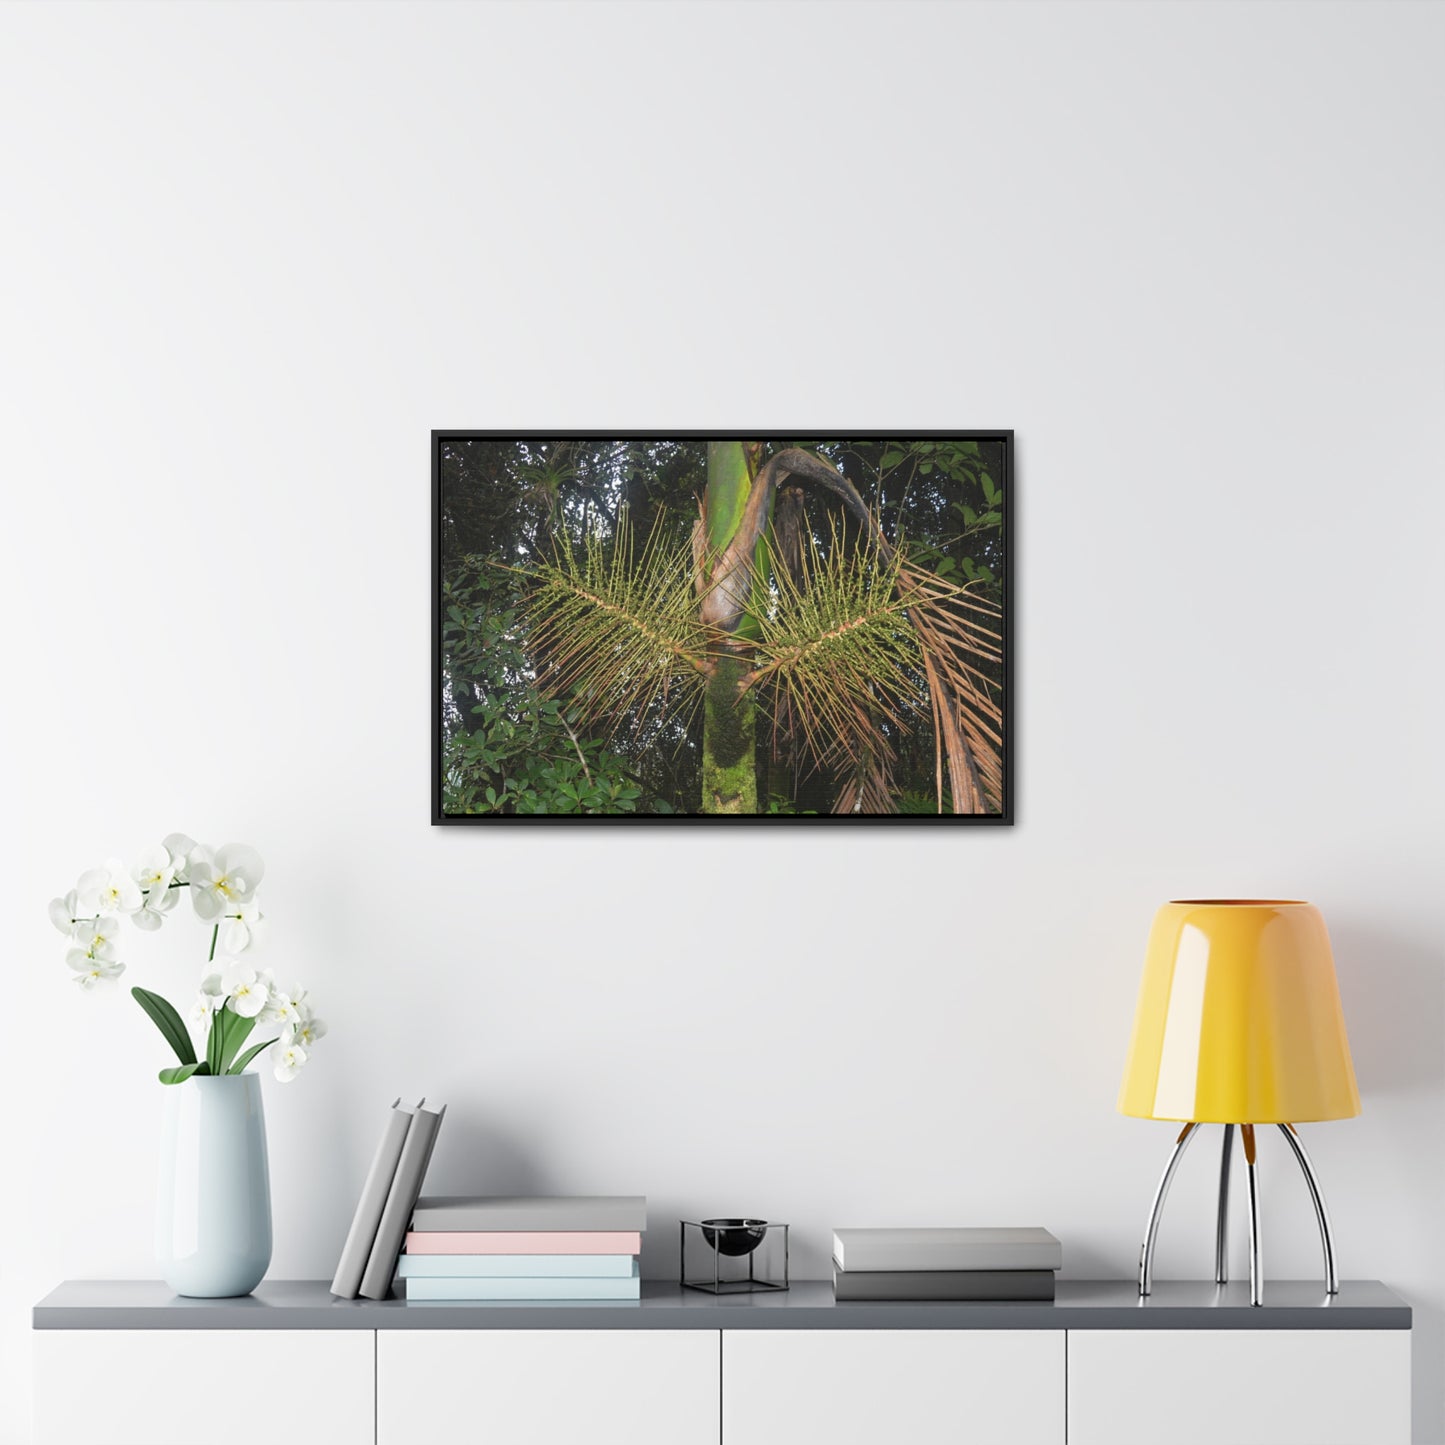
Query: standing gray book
(905, 1249)
(400, 1201)
(943, 1284)
(505, 1214)
(357, 1249)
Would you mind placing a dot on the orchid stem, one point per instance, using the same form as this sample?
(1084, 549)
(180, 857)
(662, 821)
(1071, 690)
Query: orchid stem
(215, 933)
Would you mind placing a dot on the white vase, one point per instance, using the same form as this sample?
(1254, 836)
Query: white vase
(213, 1214)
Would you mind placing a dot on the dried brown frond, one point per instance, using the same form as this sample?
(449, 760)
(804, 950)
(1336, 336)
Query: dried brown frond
(958, 644)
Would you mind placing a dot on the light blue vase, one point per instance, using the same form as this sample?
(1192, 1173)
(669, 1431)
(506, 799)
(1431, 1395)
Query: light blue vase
(213, 1215)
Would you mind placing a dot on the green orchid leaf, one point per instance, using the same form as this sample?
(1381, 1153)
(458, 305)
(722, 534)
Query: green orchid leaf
(216, 1039)
(179, 1073)
(239, 1067)
(237, 1031)
(168, 1021)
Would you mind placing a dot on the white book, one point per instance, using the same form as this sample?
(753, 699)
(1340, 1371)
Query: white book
(362, 1234)
(863, 1250)
(401, 1198)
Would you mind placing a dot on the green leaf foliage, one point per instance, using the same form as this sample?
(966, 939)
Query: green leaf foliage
(168, 1021)
(215, 1040)
(229, 1030)
(239, 1067)
(179, 1073)
(509, 748)
(238, 1030)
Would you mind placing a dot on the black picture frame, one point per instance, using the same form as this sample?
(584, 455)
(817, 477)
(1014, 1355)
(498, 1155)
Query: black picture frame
(1006, 815)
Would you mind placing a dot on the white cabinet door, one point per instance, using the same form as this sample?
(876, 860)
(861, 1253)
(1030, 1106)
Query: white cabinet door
(202, 1387)
(547, 1387)
(893, 1387)
(1247, 1387)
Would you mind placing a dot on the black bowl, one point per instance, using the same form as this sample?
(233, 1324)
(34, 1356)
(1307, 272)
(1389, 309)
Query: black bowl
(734, 1237)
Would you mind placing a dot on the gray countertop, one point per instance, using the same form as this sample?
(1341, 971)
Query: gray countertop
(809, 1305)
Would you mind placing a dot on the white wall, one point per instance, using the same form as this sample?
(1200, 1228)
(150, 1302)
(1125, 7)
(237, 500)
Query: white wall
(1192, 254)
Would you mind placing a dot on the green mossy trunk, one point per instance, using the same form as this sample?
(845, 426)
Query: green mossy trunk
(729, 742)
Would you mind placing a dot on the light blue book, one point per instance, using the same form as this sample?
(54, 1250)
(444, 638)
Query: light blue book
(517, 1266)
(477, 1288)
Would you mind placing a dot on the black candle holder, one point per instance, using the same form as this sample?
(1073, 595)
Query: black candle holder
(733, 1256)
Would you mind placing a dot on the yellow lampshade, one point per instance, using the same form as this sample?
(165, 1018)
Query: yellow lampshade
(1239, 1018)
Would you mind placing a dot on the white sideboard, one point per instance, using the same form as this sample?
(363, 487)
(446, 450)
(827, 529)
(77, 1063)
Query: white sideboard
(642, 1387)
(128, 1363)
(925, 1387)
(203, 1387)
(1276, 1387)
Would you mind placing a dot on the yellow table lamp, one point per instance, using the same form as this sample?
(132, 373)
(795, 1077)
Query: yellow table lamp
(1239, 1022)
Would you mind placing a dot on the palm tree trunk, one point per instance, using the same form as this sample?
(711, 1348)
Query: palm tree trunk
(729, 741)
(729, 729)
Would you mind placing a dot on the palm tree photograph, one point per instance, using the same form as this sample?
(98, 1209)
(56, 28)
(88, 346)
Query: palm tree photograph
(705, 626)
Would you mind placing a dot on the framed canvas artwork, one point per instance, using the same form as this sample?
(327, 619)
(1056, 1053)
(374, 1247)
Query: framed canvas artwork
(723, 626)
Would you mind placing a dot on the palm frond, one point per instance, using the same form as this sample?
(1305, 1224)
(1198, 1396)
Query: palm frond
(615, 630)
(869, 785)
(959, 650)
(838, 648)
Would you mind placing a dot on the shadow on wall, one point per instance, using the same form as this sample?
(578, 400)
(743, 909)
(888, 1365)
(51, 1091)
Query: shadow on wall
(1393, 990)
(1083, 1261)
(475, 1155)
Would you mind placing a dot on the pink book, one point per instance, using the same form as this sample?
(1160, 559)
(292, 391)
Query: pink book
(544, 1242)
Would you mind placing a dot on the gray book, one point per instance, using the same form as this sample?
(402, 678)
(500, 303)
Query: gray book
(933, 1249)
(359, 1238)
(943, 1284)
(400, 1201)
(587, 1213)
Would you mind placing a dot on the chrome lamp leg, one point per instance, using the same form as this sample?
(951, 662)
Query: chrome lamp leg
(1221, 1228)
(1146, 1255)
(1251, 1173)
(1322, 1215)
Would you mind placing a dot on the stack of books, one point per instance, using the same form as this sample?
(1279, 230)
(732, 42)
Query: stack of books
(503, 1248)
(945, 1264)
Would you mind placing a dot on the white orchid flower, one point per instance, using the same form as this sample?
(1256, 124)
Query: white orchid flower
(223, 881)
(153, 911)
(162, 878)
(243, 929)
(64, 911)
(97, 937)
(290, 1060)
(180, 848)
(91, 971)
(155, 868)
(108, 889)
(305, 1031)
(211, 997)
(248, 994)
(280, 1009)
